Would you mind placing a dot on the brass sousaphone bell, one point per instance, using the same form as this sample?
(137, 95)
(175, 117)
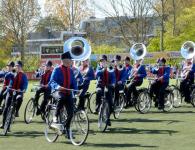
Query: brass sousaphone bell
(188, 50)
(78, 47)
(138, 51)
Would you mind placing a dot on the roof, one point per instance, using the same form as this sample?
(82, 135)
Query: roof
(51, 36)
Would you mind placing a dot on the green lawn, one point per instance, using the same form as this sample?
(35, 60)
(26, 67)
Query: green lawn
(155, 130)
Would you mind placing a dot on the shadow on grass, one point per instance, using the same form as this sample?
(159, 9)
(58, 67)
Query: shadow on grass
(27, 134)
(112, 145)
(140, 131)
(143, 120)
(117, 145)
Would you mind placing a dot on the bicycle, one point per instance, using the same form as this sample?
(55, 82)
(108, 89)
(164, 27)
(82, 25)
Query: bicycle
(79, 127)
(179, 96)
(2, 106)
(168, 97)
(103, 112)
(87, 97)
(142, 103)
(32, 107)
(10, 116)
(119, 105)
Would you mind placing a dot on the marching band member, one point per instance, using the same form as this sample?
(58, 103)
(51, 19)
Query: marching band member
(7, 77)
(62, 78)
(161, 82)
(187, 75)
(128, 66)
(105, 79)
(45, 78)
(77, 74)
(137, 74)
(87, 73)
(120, 73)
(18, 82)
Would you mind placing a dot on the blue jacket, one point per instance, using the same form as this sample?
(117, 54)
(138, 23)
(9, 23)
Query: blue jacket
(88, 76)
(192, 71)
(128, 71)
(78, 76)
(162, 71)
(45, 77)
(58, 80)
(86, 80)
(100, 77)
(121, 75)
(140, 73)
(19, 81)
(3, 73)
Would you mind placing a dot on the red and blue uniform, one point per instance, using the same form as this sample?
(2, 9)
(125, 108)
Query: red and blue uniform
(164, 72)
(105, 78)
(187, 74)
(45, 78)
(160, 84)
(63, 77)
(121, 76)
(87, 75)
(108, 80)
(138, 73)
(7, 77)
(128, 69)
(17, 82)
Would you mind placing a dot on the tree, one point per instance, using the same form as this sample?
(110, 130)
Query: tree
(62, 9)
(51, 22)
(160, 9)
(132, 17)
(18, 19)
(185, 31)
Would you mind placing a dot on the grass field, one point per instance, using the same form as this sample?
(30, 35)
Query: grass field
(155, 130)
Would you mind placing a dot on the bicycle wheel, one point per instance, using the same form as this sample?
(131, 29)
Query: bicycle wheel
(193, 98)
(135, 102)
(8, 120)
(103, 117)
(119, 107)
(168, 101)
(29, 111)
(1, 113)
(51, 134)
(79, 128)
(144, 102)
(92, 102)
(177, 97)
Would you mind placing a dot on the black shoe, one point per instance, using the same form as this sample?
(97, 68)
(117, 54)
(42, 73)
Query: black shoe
(38, 112)
(16, 114)
(81, 108)
(126, 106)
(108, 122)
(156, 104)
(160, 107)
(95, 112)
(67, 134)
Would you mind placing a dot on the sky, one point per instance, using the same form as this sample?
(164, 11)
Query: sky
(96, 11)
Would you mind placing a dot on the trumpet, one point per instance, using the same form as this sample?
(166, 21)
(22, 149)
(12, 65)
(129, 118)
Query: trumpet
(110, 68)
(120, 67)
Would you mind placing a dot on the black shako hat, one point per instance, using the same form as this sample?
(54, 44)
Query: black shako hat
(66, 55)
